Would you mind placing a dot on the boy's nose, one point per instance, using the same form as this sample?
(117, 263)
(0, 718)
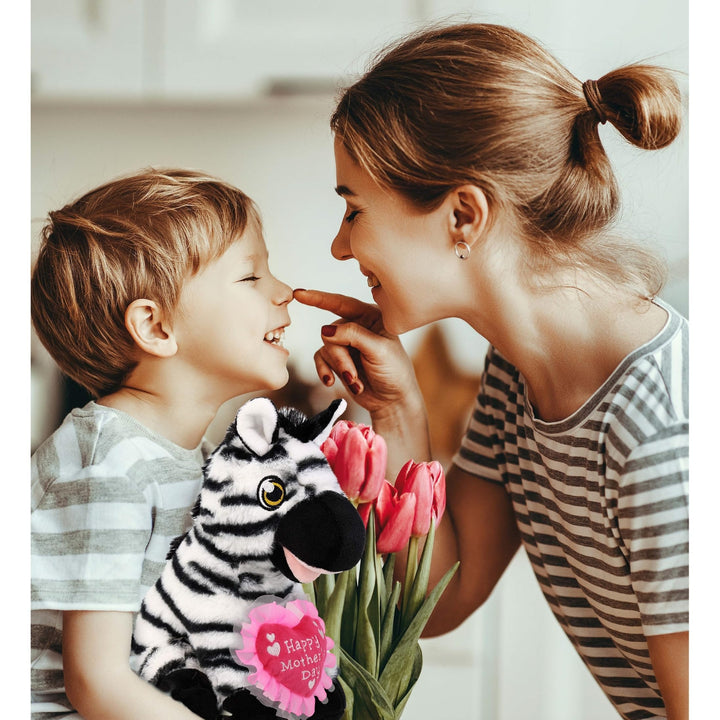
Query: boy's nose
(283, 293)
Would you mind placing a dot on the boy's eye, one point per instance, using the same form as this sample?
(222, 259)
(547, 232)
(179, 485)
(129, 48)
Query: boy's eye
(249, 278)
(351, 216)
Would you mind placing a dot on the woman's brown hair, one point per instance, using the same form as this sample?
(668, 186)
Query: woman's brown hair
(136, 237)
(487, 105)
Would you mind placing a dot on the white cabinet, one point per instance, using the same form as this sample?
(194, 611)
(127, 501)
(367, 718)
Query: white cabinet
(87, 48)
(205, 49)
(225, 48)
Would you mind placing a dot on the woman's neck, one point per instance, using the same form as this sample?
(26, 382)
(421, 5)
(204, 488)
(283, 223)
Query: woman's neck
(566, 340)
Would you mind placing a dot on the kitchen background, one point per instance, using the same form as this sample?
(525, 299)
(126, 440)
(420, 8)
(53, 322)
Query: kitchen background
(244, 89)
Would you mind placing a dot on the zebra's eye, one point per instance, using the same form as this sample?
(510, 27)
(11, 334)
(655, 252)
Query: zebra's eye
(271, 492)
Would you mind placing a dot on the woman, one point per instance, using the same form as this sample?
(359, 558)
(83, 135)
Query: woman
(477, 187)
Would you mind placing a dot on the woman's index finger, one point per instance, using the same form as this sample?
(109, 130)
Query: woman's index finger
(342, 305)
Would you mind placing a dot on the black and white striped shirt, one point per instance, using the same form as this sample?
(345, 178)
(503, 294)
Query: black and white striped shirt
(601, 501)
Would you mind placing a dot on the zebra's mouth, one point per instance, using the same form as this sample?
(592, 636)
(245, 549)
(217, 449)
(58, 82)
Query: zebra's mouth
(325, 531)
(302, 571)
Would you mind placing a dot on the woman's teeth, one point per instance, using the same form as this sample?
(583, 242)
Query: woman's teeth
(373, 282)
(275, 337)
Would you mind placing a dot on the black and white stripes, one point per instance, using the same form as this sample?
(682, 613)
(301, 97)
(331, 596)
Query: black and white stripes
(248, 530)
(601, 501)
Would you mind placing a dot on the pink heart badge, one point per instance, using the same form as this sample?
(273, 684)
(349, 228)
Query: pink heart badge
(286, 647)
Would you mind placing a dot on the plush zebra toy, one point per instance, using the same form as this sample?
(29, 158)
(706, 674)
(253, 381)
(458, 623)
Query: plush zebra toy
(270, 515)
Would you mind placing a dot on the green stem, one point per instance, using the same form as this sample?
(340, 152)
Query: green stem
(410, 570)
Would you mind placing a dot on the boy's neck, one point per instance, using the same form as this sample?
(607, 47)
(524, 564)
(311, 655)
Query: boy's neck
(178, 418)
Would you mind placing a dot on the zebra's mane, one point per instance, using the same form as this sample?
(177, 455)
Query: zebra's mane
(296, 423)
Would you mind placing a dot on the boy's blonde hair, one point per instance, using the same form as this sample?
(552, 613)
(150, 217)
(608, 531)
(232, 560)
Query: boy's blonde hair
(136, 237)
(487, 105)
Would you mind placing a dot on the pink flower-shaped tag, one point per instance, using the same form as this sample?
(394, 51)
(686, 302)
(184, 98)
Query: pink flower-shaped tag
(288, 653)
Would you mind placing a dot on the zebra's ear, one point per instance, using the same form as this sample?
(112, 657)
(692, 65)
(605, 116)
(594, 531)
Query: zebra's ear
(256, 424)
(326, 419)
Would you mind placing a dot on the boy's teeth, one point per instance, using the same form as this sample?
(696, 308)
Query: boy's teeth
(274, 336)
(372, 281)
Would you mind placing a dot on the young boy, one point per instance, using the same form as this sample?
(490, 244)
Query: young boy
(154, 293)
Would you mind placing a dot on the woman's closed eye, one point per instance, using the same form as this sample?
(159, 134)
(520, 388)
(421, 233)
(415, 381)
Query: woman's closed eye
(351, 215)
(249, 278)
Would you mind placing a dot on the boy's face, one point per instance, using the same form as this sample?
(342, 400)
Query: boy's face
(231, 318)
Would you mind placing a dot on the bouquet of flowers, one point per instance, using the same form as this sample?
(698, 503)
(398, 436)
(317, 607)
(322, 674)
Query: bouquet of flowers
(375, 621)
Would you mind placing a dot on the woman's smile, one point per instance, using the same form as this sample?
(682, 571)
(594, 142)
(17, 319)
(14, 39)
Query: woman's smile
(372, 280)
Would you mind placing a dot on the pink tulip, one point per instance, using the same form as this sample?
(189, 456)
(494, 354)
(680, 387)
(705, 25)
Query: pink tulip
(426, 481)
(394, 514)
(358, 457)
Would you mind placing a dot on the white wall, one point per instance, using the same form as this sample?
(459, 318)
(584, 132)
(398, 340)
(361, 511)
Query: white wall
(510, 661)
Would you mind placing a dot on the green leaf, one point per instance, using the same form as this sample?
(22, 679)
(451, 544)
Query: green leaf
(365, 645)
(349, 614)
(309, 590)
(367, 580)
(366, 634)
(414, 677)
(398, 670)
(333, 615)
(348, 714)
(381, 588)
(387, 628)
(416, 595)
(389, 575)
(370, 702)
(323, 587)
(410, 570)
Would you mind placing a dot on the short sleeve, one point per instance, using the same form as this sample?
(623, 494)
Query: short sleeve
(481, 447)
(89, 536)
(653, 523)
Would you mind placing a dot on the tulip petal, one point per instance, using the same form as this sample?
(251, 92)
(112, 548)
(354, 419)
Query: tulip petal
(339, 430)
(350, 463)
(395, 535)
(364, 512)
(384, 504)
(330, 449)
(416, 479)
(439, 497)
(375, 469)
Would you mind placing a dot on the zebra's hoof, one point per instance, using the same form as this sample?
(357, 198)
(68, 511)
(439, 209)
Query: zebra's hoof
(242, 704)
(193, 689)
(334, 708)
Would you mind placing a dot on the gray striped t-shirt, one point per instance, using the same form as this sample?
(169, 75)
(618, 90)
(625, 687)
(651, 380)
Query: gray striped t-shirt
(601, 501)
(108, 497)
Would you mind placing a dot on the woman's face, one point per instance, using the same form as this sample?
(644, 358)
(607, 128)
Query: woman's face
(405, 253)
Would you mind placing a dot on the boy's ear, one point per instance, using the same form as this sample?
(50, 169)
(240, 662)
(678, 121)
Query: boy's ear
(149, 327)
(470, 213)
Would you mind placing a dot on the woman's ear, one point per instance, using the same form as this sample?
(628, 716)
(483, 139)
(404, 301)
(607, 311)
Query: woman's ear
(470, 213)
(149, 327)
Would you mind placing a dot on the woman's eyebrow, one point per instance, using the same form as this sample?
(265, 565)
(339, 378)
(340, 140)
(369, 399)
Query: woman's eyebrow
(344, 191)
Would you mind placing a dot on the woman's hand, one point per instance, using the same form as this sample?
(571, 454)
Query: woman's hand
(375, 368)
(370, 361)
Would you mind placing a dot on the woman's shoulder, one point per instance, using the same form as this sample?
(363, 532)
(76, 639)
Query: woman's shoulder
(654, 381)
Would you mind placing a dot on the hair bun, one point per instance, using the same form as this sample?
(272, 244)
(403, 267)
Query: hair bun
(643, 102)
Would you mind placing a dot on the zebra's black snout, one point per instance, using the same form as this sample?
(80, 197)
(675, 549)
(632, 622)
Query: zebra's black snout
(324, 531)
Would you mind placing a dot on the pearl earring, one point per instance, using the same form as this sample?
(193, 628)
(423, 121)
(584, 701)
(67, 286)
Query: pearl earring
(462, 250)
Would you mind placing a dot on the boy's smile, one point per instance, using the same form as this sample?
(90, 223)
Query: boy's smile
(231, 320)
(276, 337)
